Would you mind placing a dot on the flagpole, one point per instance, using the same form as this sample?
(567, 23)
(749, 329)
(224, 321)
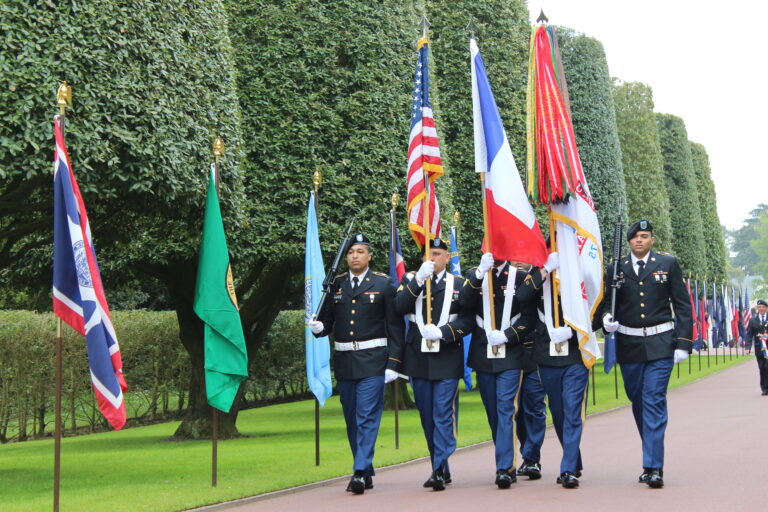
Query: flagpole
(63, 98)
(487, 239)
(425, 210)
(393, 250)
(218, 152)
(317, 179)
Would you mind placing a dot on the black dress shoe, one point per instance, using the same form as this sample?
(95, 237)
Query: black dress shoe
(504, 479)
(764, 393)
(655, 480)
(643, 479)
(357, 484)
(368, 482)
(447, 477)
(530, 469)
(559, 479)
(436, 481)
(569, 480)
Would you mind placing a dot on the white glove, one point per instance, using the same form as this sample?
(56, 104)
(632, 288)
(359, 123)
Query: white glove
(680, 355)
(431, 332)
(486, 264)
(389, 376)
(316, 326)
(497, 338)
(553, 261)
(426, 270)
(609, 325)
(560, 334)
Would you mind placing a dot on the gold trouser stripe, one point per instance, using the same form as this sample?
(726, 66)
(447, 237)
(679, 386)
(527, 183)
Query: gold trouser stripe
(454, 414)
(515, 443)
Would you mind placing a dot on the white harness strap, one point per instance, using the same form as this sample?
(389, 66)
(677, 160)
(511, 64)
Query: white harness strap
(509, 297)
(447, 299)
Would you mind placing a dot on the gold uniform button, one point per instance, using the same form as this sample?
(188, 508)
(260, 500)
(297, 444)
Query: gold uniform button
(353, 301)
(351, 333)
(642, 316)
(641, 282)
(642, 304)
(351, 322)
(353, 311)
(642, 293)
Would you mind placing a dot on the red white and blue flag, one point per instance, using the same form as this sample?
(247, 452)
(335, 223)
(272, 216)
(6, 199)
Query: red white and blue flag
(396, 262)
(513, 231)
(424, 162)
(78, 295)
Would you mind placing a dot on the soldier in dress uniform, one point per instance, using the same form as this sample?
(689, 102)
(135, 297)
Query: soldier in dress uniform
(563, 374)
(648, 343)
(368, 345)
(434, 354)
(531, 414)
(758, 326)
(496, 352)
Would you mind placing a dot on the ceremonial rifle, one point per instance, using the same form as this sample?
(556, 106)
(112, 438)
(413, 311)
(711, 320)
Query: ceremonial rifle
(329, 277)
(616, 282)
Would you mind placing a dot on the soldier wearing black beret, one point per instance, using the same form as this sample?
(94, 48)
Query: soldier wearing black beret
(649, 340)
(756, 331)
(434, 353)
(368, 344)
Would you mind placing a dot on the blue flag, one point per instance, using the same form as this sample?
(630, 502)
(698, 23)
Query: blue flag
(456, 270)
(318, 349)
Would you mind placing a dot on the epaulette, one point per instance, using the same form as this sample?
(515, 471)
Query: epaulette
(663, 253)
(380, 274)
(340, 275)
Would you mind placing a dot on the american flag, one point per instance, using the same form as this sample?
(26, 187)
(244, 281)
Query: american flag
(423, 154)
(78, 295)
(747, 308)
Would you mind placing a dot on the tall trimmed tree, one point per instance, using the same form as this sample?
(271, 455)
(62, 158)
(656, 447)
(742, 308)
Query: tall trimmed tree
(688, 240)
(641, 160)
(594, 122)
(714, 241)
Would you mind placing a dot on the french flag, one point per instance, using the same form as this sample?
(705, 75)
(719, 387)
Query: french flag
(78, 295)
(513, 232)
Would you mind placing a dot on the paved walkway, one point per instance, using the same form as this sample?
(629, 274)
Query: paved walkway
(716, 459)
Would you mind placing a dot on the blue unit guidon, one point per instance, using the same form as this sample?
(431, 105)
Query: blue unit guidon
(78, 295)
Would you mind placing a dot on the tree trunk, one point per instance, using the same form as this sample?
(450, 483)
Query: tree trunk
(405, 400)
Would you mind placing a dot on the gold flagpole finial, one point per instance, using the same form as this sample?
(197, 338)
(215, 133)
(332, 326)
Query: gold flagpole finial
(218, 148)
(64, 97)
(456, 218)
(395, 200)
(317, 180)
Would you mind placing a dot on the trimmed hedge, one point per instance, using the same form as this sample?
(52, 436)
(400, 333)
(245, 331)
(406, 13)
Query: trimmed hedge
(594, 122)
(643, 165)
(688, 240)
(714, 241)
(156, 368)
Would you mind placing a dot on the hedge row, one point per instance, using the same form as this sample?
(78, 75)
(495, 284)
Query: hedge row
(156, 367)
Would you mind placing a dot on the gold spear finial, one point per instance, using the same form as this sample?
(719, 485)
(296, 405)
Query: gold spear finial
(456, 218)
(64, 97)
(317, 180)
(218, 148)
(395, 200)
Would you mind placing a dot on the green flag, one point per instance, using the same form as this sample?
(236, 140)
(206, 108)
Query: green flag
(226, 360)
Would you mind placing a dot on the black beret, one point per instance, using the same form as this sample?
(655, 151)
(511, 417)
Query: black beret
(640, 225)
(438, 243)
(761, 302)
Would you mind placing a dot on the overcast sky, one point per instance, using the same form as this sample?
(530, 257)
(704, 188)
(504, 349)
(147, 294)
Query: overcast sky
(705, 62)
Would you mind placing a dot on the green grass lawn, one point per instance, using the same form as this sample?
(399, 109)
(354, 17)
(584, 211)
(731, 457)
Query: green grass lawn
(139, 469)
